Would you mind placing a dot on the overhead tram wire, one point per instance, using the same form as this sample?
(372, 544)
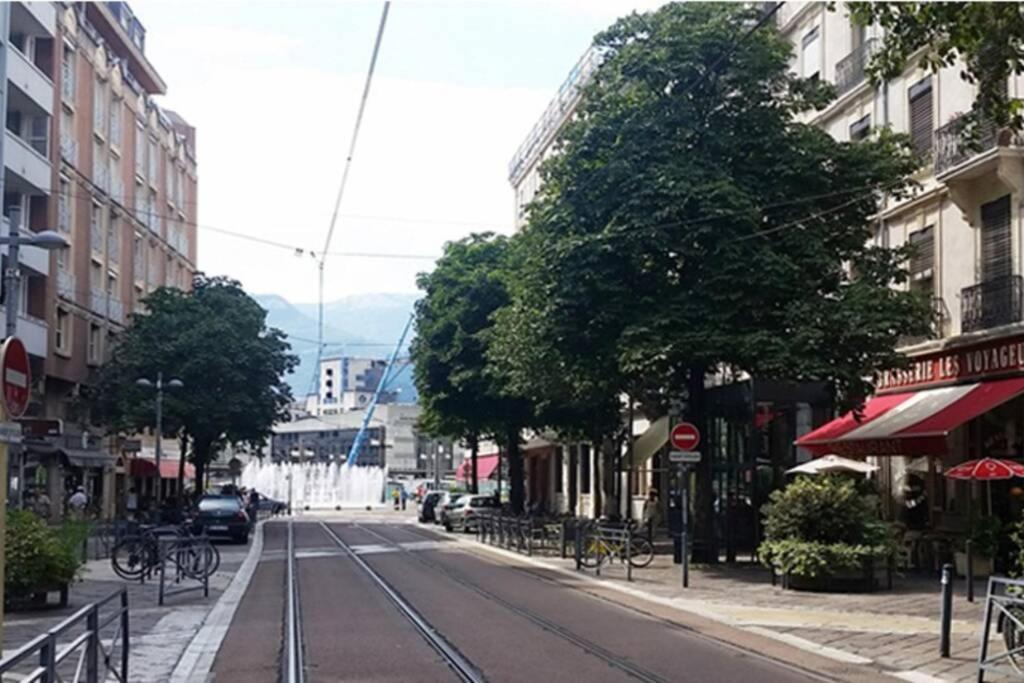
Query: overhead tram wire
(341, 191)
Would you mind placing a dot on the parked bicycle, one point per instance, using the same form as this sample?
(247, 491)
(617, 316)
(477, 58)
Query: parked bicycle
(138, 555)
(600, 547)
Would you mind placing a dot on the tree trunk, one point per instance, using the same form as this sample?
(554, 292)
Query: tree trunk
(609, 474)
(474, 450)
(597, 477)
(181, 467)
(705, 548)
(200, 457)
(515, 471)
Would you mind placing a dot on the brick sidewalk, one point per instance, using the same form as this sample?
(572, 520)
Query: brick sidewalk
(159, 635)
(896, 629)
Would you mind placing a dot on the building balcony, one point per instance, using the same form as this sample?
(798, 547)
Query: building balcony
(33, 258)
(30, 80)
(973, 167)
(851, 69)
(33, 333)
(30, 168)
(42, 14)
(66, 284)
(992, 303)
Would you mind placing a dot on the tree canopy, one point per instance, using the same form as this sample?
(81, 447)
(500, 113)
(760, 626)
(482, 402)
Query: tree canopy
(214, 339)
(988, 37)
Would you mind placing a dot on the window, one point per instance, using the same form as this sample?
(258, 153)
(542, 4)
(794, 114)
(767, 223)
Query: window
(152, 159)
(62, 332)
(169, 271)
(140, 151)
(96, 278)
(39, 134)
(96, 229)
(138, 259)
(996, 249)
(68, 80)
(810, 54)
(95, 335)
(921, 124)
(140, 203)
(99, 107)
(922, 261)
(858, 34)
(64, 206)
(169, 179)
(860, 128)
(115, 121)
(153, 217)
(114, 239)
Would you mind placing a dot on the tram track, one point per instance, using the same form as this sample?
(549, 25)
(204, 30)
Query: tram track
(293, 663)
(464, 669)
(586, 645)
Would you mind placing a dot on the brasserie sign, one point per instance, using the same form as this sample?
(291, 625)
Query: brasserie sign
(999, 357)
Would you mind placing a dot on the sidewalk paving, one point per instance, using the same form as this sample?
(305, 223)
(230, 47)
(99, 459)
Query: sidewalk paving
(159, 635)
(897, 629)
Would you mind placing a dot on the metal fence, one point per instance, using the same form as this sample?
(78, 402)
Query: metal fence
(88, 656)
(1005, 606)
(527, 535)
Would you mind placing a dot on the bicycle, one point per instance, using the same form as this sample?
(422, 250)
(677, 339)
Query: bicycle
(138, 555)
(600, 549)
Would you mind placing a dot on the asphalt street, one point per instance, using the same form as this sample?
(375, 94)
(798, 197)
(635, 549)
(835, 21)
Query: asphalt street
(397, 602)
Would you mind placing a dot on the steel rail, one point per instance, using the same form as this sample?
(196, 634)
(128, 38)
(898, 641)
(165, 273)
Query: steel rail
(295, 670)
(588, 646)
(462, 667)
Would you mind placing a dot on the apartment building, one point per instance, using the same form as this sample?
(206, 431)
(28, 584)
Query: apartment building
(124, 190)
(348, 383)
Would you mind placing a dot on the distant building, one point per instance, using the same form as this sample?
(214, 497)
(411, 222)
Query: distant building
(348, 383)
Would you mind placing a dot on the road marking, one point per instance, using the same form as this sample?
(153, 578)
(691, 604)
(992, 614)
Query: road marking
(917, 677)
(372, 549)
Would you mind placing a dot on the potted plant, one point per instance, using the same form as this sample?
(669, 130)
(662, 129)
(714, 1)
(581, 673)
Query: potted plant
(984, 538)
(40, 559)
(822, 533)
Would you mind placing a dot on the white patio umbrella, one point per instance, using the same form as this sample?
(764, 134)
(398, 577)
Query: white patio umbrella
(832, 463)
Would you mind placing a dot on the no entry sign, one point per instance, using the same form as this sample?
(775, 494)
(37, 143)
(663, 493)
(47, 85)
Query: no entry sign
(685, 437)
(15, 377)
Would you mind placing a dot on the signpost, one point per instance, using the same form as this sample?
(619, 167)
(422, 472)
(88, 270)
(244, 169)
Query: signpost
(15, 389)
(685, 437)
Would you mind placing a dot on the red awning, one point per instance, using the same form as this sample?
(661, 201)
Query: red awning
(146, 467)
(910, 423)
(485, 467)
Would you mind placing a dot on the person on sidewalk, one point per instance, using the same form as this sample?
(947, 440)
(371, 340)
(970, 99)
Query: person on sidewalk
(395, 496)
(78, 502)
(405, 497)
(132, 503)
(651, 513)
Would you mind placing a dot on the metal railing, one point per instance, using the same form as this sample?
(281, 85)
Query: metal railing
(991, 303)
(953, 146)
(1005, 602)
(96, 661)
(526, 534)
(940, 314)
(851, 69)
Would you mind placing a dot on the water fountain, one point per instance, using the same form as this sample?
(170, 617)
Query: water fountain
(318, 485)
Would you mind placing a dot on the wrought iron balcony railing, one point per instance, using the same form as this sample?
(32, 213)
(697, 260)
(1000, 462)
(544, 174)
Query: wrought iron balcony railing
(850, 70)
(953, 146)
(940, 315)
(991, 303)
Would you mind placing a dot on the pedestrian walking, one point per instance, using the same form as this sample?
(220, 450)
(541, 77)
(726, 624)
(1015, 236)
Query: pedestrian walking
(131, 503)
(395, 496)
(78, 502)
(651, 512)
(405, 497)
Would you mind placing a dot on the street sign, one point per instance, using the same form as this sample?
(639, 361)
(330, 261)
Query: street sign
(684, 456)
(685, 437)
(10, 432)
(15, 377)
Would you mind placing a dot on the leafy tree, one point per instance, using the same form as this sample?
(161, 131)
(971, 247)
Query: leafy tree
(987, 36)
(690, 223)
(214, 339)
(459, 392)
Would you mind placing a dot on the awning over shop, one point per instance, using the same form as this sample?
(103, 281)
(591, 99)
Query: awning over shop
(77, 457)
(910, 423)
(485, 467)
(146, 467)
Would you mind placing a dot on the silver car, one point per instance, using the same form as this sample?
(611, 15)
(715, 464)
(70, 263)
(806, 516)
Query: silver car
(464, 513)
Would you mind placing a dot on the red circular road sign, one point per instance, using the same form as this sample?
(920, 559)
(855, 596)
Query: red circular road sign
(685, 437)
(15, 377)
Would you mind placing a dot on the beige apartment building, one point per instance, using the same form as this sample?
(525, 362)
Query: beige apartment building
(89, 153)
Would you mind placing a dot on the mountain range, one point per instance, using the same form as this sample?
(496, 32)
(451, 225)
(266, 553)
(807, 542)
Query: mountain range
(363, 325)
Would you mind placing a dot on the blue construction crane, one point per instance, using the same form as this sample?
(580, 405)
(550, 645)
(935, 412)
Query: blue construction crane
(357, 444)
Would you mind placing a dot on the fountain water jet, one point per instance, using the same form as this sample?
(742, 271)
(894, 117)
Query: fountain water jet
(317, 485)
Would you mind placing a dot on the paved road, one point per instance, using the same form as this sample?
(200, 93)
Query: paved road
(496, 622)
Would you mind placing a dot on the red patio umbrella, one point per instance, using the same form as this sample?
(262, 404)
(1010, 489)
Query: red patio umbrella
(987, 469)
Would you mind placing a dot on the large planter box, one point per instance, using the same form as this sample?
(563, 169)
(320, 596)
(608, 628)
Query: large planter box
(982, 565)
(37, 600)
(874, 576)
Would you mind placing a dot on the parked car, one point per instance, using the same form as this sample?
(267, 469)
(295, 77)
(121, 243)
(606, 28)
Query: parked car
(449, 501)
(222, 517)
(429, 507)
(466, 511)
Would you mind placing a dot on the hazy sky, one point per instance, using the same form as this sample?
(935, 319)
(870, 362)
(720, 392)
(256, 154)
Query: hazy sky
(273, 90)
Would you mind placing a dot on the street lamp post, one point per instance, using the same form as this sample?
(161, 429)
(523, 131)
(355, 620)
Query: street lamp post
(159, 386)
(47, 239)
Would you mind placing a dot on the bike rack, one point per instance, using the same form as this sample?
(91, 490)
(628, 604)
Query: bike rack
(45, 648)
(1003, 594)
(174, 551)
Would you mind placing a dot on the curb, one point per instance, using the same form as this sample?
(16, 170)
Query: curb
(197, 660)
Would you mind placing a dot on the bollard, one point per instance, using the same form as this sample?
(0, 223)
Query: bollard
(969, 573)
(561, 537)
(946, 618)
(578, 549)
(629, 554)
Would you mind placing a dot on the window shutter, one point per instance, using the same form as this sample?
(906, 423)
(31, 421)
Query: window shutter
(996, 256)
(810, 53)
(921, 116)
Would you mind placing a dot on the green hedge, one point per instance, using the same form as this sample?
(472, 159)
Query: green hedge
(39, 557)
(821, 526)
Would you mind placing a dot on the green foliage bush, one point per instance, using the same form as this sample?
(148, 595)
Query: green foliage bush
(39, 557)
(819, 526)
